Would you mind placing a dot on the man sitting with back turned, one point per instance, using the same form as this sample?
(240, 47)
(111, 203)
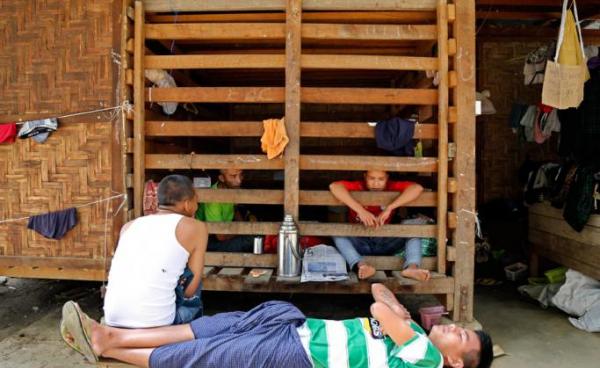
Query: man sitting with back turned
(150, 259)
(226, 212)
(276, 334)
(353, 248)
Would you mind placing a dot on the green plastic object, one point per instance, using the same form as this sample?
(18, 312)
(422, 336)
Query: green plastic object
(556, 275)
(537, 280)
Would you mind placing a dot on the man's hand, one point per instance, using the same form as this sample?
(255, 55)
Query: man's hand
(384, 216)
(367, 218)
(384, 295)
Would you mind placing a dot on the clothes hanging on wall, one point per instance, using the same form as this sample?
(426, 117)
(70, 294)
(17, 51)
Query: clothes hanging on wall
(581, 126)
(580, 200)
(162, 79)
(395, 135)
(8, 132)
(54, 225)
(39, 130)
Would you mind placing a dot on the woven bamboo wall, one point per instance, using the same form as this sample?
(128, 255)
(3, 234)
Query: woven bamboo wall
(499, 151)
(55, 59)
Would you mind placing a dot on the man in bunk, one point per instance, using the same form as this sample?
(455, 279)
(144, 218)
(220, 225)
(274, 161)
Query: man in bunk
(353, 248)
(226, 212)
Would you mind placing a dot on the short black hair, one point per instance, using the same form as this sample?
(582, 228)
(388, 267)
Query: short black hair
(173, 189)
(486, 354)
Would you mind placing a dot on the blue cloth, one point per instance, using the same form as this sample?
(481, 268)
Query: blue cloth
(395, 135)
(187, 309)
(264, 337)
(54, 225)
(353, 248)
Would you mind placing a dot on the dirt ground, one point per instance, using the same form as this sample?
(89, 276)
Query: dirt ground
(533, 337)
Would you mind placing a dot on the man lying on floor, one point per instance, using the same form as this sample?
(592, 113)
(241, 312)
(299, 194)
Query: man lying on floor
(276, 334)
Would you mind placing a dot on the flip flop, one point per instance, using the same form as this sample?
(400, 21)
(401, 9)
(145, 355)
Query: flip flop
(75, 323)
(68, 337)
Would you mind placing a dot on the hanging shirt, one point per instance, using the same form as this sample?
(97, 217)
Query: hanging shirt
(359, 342)
(391, 186)
(8, 132)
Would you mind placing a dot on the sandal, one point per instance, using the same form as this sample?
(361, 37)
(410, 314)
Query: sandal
(76, 330)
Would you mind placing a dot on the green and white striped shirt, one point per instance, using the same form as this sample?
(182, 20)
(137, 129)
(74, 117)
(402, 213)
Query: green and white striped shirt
(357, 343)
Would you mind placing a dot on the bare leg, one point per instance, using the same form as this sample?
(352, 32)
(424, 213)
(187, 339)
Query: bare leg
(105, 338)
(137, 357)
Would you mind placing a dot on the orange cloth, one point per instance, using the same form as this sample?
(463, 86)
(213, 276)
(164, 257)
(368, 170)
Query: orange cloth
(274, 138)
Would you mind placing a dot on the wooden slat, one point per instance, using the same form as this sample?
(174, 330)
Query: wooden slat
(323, 229)
(293, 50)
(230, 272)
(139, 108)
(244, 162)
(270, 61)
(355, 17)
(308, 95)
(307, 162)
(306, 197)
(51, 262)
(464, 163)
(360, 163)
(545, 209)
(178, 6)
(255, 129)
(87, 274)
(263, 278)
(442, 205)
(405, 231)
(226, 259)
(589, 235)
(434, 286)
(325, 198)
(368, 32)
(275, 32)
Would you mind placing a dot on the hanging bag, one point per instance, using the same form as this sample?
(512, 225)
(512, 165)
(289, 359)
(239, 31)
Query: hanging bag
(566, 74)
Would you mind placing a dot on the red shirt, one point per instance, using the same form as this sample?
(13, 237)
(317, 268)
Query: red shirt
(391, 186)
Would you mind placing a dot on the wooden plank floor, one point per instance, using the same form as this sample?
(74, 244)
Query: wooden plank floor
(251, 279)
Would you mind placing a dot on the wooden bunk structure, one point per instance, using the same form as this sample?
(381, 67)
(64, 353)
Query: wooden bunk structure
(334, 38)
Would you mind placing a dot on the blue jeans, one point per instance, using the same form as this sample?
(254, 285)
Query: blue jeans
(353, 248)
(187, 309)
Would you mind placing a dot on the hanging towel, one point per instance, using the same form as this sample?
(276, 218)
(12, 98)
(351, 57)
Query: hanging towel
(8, 132)
(528, 122)
(395, 135)
(274, 138)
(162, 79)
(54, 225)
(38, 129)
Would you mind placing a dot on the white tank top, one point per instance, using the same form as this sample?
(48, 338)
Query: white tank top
(144, 273)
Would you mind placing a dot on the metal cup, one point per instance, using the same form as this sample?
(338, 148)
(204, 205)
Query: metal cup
(258, 245)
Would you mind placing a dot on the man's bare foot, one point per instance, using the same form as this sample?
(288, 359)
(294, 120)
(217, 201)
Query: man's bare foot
(365, 270)
(100, 337)
(415, 273)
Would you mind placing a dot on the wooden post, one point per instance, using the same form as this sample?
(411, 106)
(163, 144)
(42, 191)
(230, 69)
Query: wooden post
(293, 22)
(464, 163)
(442, 183)
(139, 109)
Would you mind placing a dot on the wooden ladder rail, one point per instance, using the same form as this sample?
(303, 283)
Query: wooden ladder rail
(442, 175)
(139, 108)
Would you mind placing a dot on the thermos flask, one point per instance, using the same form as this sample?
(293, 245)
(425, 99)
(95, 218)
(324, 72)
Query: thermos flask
(288, 249)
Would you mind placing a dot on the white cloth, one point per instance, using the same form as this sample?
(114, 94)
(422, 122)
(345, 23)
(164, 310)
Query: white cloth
(162, 79)
(144, 273)
(578, 295)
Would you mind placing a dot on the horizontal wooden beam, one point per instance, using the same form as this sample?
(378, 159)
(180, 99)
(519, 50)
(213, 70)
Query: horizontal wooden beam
(366, 96)
(307, 197)
(182, 6)
(249, 260)
(171, 128)
(325, 198)
(307, 162)
(277, 61)
(438, 285)
(189, 161)
(276, 32)
(369, 17)
(58, 273)
(360, 163)
(324, 229)
(53, 262)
